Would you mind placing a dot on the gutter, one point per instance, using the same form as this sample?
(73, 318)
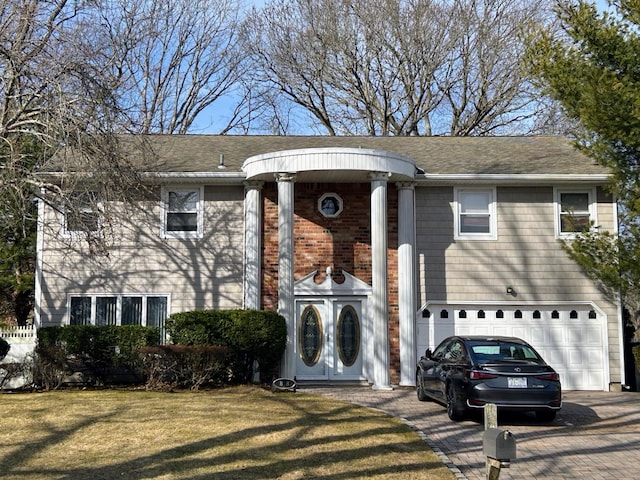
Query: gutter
(511, 179)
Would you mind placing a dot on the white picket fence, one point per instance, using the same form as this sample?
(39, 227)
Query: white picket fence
(23, 343)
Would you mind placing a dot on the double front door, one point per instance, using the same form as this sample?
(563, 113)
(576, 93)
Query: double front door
(329, 339)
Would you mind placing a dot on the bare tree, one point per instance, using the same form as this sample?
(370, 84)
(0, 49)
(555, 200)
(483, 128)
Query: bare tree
(52, 99)
(484, 83)
(174, 59)
(398, 67)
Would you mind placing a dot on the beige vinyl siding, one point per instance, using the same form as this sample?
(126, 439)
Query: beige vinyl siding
(526, 256)
(606, 210)
(195, 273)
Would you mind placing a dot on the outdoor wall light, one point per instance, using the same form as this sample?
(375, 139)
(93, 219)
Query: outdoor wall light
(511, 291)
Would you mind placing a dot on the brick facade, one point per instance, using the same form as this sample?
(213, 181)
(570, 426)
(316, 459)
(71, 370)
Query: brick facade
(342, 243)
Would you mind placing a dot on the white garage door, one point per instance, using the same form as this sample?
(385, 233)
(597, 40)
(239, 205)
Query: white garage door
(572, 339)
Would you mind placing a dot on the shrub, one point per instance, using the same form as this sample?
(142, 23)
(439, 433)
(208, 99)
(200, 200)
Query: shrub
(104, 353)
(250, 335)
(182, 366)
(4, 348)
(50, 367)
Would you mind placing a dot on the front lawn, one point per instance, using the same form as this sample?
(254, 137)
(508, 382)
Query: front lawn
(238, 433)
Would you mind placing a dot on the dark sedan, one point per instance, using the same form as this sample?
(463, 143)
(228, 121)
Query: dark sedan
(465, 373)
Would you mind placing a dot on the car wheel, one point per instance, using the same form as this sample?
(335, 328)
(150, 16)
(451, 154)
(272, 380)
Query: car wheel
(546, 415)
(456, 409)
(422, 396)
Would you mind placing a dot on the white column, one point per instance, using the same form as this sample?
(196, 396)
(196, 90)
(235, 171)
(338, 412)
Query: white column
(407, 292)
(252, 244)
(286, 300)
(380, 307)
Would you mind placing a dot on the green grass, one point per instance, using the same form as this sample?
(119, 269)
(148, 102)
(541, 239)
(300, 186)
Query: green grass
(239, 433)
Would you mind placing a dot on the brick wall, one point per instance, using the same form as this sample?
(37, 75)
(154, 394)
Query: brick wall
(342, 243)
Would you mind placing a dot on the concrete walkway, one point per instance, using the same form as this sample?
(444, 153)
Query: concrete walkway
(596, 435)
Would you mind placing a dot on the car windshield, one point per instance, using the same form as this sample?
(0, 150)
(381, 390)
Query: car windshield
(489, 352)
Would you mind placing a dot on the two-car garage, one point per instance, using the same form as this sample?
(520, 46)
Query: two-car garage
(572, 338)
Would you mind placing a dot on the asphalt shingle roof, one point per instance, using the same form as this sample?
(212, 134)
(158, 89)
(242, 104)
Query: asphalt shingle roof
(434, 155)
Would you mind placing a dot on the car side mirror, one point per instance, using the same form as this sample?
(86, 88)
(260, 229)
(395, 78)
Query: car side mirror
(428, 353)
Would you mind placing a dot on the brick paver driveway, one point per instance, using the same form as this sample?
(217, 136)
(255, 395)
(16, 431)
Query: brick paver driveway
(596, 435)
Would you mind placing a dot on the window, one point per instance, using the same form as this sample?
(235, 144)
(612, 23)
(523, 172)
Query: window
(145, 310)
(475, 217)
(80, 311)
(330, 205)
(575, 211)
(182, 212)
(82, 214)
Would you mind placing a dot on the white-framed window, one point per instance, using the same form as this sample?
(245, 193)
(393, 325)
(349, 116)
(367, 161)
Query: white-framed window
(182, 212)
(575, 211)
(82, 215)
(149, 310)
(475, 213)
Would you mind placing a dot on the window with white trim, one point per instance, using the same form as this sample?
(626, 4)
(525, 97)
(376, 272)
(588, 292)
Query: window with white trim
(182, 212)
(82, 214)
(475, 214)
(575, 211)
(148, 310)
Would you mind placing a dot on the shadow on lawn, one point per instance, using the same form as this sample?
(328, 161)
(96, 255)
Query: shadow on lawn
(191, 461)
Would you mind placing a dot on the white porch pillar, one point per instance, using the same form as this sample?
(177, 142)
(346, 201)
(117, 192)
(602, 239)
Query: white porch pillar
(252, 244)
(286, 299)
(379, 280)
(407, 292)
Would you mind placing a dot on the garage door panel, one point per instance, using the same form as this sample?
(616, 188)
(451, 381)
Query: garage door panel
(556, 336)
(538, 336)
(592, 336)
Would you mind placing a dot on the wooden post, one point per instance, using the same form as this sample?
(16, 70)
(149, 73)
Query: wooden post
(490, 416)
(493, 469)
(491, 421)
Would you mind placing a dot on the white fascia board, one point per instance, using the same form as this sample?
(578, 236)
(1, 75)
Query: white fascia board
(513, 179)
(196, 177)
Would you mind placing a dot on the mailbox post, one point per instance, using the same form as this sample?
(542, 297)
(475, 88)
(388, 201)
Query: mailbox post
(499, 446)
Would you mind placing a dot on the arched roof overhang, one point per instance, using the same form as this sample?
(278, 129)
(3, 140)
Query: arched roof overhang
(331, 165)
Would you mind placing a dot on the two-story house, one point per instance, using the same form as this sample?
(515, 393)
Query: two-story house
(372, 248)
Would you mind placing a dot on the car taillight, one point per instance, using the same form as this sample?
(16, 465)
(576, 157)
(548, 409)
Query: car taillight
(550, 377)
(480, 375)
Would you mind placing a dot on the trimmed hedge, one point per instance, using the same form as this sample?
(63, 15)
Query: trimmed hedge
(250, 335)
(104, 353)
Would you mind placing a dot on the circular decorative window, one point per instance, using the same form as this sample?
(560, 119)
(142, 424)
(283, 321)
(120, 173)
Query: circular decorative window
(310, 336)
(330, 205)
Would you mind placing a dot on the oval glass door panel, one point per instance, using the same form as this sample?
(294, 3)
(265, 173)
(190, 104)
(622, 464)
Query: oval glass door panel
(348, 336)
(310, 336)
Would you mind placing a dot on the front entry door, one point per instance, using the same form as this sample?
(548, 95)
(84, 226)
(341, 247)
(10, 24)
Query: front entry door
(329, 339)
